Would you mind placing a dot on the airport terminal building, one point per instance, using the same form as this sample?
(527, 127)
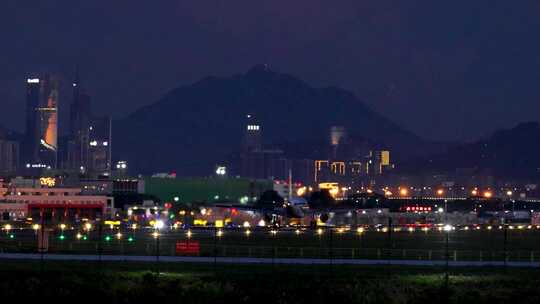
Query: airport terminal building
(36, 199)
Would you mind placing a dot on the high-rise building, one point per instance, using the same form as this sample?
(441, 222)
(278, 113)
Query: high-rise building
(337, 136)
(252, 135)
(259, 163)
(99, 154)
(79, 118)
(381, 161)
(9, 156)
(41, 134)
(89, 147)
(31, 137)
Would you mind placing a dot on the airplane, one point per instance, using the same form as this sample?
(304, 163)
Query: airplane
(272, 207)
(321, 204)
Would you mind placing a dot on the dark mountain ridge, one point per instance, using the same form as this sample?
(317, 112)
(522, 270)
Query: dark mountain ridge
(506, 153)
(194, 127)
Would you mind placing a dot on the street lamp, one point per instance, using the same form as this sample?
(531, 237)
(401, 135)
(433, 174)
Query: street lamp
(403, 192)
(159, 224)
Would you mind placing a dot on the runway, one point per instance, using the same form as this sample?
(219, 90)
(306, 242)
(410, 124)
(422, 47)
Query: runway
(246, 260)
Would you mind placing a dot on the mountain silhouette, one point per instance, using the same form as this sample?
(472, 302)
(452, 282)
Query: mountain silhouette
(193, 128)
(509, 153)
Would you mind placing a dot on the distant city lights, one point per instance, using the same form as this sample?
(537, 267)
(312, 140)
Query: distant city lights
(221, 170)
(121, 165)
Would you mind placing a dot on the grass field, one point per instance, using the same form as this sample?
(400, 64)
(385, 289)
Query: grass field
(520, 245)
(194, 283)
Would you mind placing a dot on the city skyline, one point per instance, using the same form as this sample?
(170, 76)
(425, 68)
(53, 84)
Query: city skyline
(270, 151)
(375, 132)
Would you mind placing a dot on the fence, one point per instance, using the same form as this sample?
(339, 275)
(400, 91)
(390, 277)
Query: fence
(328, 243)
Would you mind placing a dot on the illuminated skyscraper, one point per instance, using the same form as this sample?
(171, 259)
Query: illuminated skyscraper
(31, 137)
(41, 134)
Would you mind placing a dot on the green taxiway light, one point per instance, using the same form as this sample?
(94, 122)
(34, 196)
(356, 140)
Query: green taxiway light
(12, 236)
(107, 238)
(62, 237)
(130, 239)
(85, 238)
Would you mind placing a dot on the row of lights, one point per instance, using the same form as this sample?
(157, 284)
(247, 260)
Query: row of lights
(319, 231)
(440, 192)
(158, 225)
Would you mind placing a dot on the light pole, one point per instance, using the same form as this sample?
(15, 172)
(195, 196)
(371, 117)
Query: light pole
(447, 228)
(509, 194)
(505, 244)
(100, 245)
(158, 225)
(42, 243)
(331, 253)
(215, 248)
(390, 247)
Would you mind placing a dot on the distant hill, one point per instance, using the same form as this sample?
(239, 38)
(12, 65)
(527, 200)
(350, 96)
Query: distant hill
(194, 127)
(506, 153)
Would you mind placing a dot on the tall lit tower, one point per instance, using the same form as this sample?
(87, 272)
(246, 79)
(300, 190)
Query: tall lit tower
(31, 135)
(41, 134)
(252, 135)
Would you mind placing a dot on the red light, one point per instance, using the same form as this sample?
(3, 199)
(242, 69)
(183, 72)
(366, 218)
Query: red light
(234, 211)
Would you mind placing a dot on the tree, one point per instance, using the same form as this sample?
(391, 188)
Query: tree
(270, 198)
(321, 199)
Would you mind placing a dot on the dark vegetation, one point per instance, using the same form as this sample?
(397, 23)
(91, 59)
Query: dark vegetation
(194, 283)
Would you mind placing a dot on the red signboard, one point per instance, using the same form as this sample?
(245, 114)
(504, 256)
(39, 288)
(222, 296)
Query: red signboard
(188, 247)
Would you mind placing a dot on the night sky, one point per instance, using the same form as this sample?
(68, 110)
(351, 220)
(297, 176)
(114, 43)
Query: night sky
(449, 70)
